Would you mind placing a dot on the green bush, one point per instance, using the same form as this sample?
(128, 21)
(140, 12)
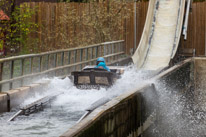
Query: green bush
(18, 27)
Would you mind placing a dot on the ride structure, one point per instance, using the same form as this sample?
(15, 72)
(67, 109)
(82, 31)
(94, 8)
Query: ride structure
(95, 78)
(161, 35)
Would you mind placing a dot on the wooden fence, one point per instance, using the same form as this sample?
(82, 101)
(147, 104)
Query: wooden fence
(47, 14)
(58, 29)
(196, 34)
(141, 13)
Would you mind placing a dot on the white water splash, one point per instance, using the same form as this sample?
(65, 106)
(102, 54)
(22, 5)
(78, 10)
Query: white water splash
(66, 109)
(177, 114)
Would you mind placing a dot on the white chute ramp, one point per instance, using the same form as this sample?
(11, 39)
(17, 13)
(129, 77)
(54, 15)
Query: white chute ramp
(161, 34)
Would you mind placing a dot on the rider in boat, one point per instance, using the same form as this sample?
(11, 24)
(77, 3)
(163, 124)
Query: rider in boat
(101, 64)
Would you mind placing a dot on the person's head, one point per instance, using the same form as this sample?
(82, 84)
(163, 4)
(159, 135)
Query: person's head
(101, 65)
(100, 59)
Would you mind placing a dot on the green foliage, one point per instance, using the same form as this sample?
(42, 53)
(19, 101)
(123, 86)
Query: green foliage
(22, 25)
(18, 27)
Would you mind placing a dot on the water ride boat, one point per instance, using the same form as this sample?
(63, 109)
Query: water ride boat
(95, 78)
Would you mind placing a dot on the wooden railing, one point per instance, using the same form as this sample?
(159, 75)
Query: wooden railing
(22, 70)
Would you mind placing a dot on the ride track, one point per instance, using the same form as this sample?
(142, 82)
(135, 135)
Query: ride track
(161, 34)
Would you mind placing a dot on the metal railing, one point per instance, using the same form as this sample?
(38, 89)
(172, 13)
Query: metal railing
(19, 71)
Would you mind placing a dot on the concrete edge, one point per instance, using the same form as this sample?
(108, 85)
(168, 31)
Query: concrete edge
(15, 97)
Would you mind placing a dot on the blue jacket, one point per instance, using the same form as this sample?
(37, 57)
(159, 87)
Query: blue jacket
(103, 66)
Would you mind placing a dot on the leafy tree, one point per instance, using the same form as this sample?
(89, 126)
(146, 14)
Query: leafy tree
(18, 27)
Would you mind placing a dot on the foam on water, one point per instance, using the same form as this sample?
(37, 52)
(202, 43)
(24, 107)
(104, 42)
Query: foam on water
(66, 109)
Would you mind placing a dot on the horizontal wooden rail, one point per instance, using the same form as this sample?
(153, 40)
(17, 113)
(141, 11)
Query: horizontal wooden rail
(55, 69)
(15, 70)
(58, 51)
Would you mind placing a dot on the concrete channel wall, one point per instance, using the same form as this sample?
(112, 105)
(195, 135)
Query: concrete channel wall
(135, 112)
(15, 97)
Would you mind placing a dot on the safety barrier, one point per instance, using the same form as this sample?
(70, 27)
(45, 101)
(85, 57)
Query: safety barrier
(22, 70)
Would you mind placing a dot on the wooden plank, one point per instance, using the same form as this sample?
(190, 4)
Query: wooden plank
(141, 18)
(44, 29)
(138, 23)
(39, 22)
(198, 32)
(194, 27)
(48, 25)
(127, 34)
(132, 29)
(205, 26)
(202, 24)
(52, 10)
(191, 29)
(188, 42)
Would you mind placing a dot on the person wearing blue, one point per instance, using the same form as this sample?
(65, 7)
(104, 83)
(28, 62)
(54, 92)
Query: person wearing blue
(102, 64)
